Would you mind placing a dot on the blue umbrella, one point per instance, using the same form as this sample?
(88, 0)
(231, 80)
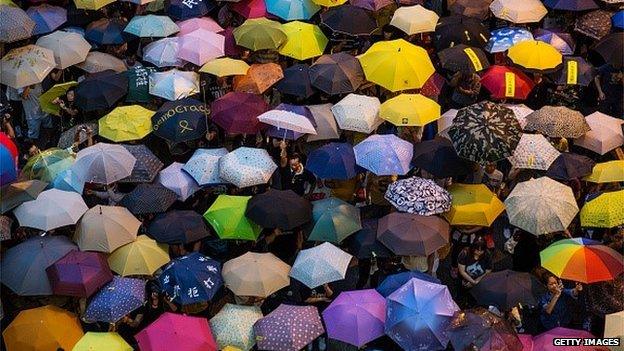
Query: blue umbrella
(191, 279)
(504, 38)
(384, 154)
(185, 9)
(151, 26)
(395, 281)
(292, 9)
(563, 42)
(47, 18)
(106, 31)
(68, 181)
(116, 299)
(203, 166)
(333, 161)
(618, 19)
(571, 5)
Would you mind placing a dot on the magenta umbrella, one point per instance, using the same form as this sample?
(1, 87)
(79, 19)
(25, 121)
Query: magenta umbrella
(201, 46)
(79, 273)
(176, 332)
(356, 317)
(544, 341)
(238, 113)
(250, 8)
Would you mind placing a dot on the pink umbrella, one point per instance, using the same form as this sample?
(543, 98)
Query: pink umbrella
(250, 8)
(201, 46)
(176, 332)
(193, 24)
(544, 341)
(527, 342)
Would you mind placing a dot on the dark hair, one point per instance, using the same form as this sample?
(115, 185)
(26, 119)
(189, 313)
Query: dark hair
(478, 244)
(547, 275)
(294, 156)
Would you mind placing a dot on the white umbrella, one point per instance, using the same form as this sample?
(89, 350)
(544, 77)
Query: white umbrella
(163, 53)
(321, 264)
(173, 84)
(605, 134)
(203, 166)
(520, 112)
(414, 19)
(446, 121)
(178, 181)
(534, 152)
(99, 61)
(26, 66)
(103, 163)
(359, 113)
(68, 48)
(326, 127)
(51, 209)
(255, 274)
(247, 166)
(525, 11)
(105, 228)
(288, 121)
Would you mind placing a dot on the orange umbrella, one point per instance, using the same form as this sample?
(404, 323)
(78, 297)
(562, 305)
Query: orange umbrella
(259, 78)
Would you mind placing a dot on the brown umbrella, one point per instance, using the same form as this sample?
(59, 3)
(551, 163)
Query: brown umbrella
(471, 8)
(595, 24)
(255, 274)
(557, 122)
(338, 73)
(412, 234)
(259, 78)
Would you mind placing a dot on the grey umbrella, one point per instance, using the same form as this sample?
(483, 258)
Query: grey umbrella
(146, 167)
(14, 24)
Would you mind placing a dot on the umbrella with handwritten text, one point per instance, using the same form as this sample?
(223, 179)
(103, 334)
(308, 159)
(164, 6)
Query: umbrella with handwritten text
(191, 279)
(181, 120)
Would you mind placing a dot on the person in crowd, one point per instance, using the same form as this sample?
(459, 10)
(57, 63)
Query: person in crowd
(554, 303)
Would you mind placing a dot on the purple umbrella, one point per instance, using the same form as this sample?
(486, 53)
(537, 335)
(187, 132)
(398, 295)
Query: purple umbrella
(79, 274)
(116, 299)
(289, 134)
(237, 112)
(384, 154)
(571, 5)
(47, 18)
(393, 282)
(288, 328)
(356, 317)
(371, 5)
(563, 42)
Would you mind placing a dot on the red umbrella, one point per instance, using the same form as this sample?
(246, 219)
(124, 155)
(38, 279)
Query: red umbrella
(79, 273)
(433, 86)
(176, 332)
(250, 8)
(507, 83)
(237, 112)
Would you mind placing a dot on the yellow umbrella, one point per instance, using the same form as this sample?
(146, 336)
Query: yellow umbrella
(141, 257)
(45, 99)
(126, 123)
(231, 348)
(410, 110)
(92, 4)
(7, 3)
(225, 66)
(93, 341)
(329, 3)
(397, 65)
(535, 55)
(304, 40)
(260, 34)
(414, 19)
(474, 205)
(607, 172)
(605, 211)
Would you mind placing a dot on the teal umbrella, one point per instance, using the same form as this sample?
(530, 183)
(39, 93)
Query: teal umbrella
(334, 220)
(151, 26)
(292, 9)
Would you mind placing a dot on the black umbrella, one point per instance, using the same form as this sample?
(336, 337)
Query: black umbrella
(411, 234)
(574, 70)
(506, 289)
(67, 138)
(570, 166)
(455, 30)
(349, 20)
(439, 158)
(279, 209)
(107, 31)
(146, 166)
(185, 9)
(296, 81)
(463, 58)
(364, 243)
(178, 227)
(149, 198)
(479, 9)
(338, 73)
(181, 120)
(101, 90)
(479, 329)
(611, 49)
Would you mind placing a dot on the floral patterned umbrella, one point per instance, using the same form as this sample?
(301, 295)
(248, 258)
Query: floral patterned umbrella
(418, 195)
(288, 328)
(534, 152)
(233, 326)
(246, 166)
(26, 66)
(557, 122)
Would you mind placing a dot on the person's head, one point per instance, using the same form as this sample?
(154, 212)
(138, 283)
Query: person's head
(294, 161)
(552, 282)
(33, 149)
(71, 95)
(490, 167)
(478, 248)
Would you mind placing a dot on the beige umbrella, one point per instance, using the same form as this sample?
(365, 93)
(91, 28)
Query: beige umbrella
(605, 134)
(533, 152)
(525, 11)
(446, 121)
(144, 256)
(359, 113)
(557, 122)
(99, 61)
(326, 128)
(105, 228)
(26, 66)
(255, 274)
(68, 48)
(614, 325)
(541, 206)
(414, 19)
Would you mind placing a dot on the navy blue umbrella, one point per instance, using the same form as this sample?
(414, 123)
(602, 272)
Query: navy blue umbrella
(149, 198)
(395, 281)
(364, 243)
(106, 31)
(101, 90)
(116, 299)
(296, 81)
(181, 120)
(178, 227)
(571, 5)
(191, 279)
(185, 9)
(333, 161)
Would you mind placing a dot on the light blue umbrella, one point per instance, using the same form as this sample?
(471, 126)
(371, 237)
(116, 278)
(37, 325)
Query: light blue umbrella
(321, 264)
(504, 38)
(68, 181)
(116, 299)
(384, 154)
(151, 26)
(203, 166)
(46, 17)
(247, 166)
(290, 10)
(163, 53)
(334, 220)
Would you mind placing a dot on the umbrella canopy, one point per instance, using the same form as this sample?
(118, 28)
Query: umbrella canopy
(292, 10)
(52, 209)
(225, 66)
(520, 112)
(393, 282)
(15, 194)
(364, 243)
(409, 234)
(419, 196)
(595, 24)
(534, 151)
(582, 260)
(233, 326)
(569, 166)
(348, 20)
(259, 78)
(100, 61)
(454, 30)
(544, 341)
(23, 266)
(101, 90)
(607, 172)
(613, 325)
(288, 328)
(617, 20)
(571, 5)
(605, 134)
(163, 53)
(172, 330)
(43, 328)
(255, 274)
(8, 159)
(201, 46)
(535, 56)
(103, 163)
(356, 317)
(418, 314)
(91, 4)
(462, 58)
(557, 122)
(79, 274)
(67, 181)
(439, 158)
(106, 31)
(181, 120)
(146, 166)
(321, 264)
(287, 121)
(334, 220)
(105, 228)
(575, 70)
(338, 73)
(237, 112)
(480, 329)
(561, 41)
(149, 198)
(296, 81)
(94, 341)
(178, 227)
(191, 279)
(359, 113)
(397, 65)
(609, 48)
(140, 257)
(58, 90)
(473, 204)
(506, 289)
(414, 19)
(282, 209)
(470, 8)
(46, 17)
(333, 161)
(603, 211)
(182, 10)
(507, 83)
(504, 38)
(227, 218)
(126, 123)
(203, 166)
(410, 110)
(371, 5)
(250, 8)
(115, 300)
(14, 24)
(291, 134)
(26, 65)
(247, 166)
(193, 24)
(326, 127)
(303, 40)
(46, 165)
(529, 11)
(178, 181)
(151, 26)
(260, 34)
(173, 84)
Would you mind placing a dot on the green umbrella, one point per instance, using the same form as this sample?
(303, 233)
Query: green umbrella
(334, 220)
(47, 164)
(227, 217)
(45, 100)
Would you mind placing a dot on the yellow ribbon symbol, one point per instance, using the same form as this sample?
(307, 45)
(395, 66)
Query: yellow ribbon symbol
(572, 72)
(184, 126)
(474, 58)
(510, 84)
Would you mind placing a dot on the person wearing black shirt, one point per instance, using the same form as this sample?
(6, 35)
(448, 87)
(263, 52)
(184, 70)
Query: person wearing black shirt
(293, 175)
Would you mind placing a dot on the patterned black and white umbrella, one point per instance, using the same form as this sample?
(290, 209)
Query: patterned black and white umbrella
(418, 195)
(149, 198)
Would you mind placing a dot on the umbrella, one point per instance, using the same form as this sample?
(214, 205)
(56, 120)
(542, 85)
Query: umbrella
(607, 172)
(462, 58)
(247, 166)
(418, 314)
(545, 340)
(330, 3)
(282, 209)
(288, 328)
(479, 329)
(178, 227)
(575, 70)
(23, 265)
(26, 65)
(617, 20)
(260, 34)
(287, 121)
(105, 228)
(356, 317)
(349, 20)
(46, 165)
(233, 326)
(203, 166)
(285, 133)
(520, 112)
(319, 265)
(333, 161)
(419, 196)
(100, 61)
(570, 166)
(94, 341)
(557, 122)
(163, 53)
(259, 78)
(227, 217)
(335, 74)
(478, 9)
(172, 330)
(225, 66)
(364, 243)
(410, 110)
(507, 83)
(201, 46)
(296, 81)
(126, 123)
(15, 194)
(397, 65)
(43, 328)
(473, 204)
(193, 24)
(191, 279)
(359, 113)
(534, 151)
(393, 282)
(535, 56)
(52, 209)
(8, 159)
(58, 90)
(106, 31)
(255, 274)
(115, 300)
(613, 325)
(439, 158)
(485, 132)
(67, 181)
(149, 198)
(237, 112)
(292, 10)
(140, 257)
(146, 166)
(103, 163)
(528, 11)
(334, 220)
(173, 84)
(582, 260)
(506, 289)
(15, 24)
(371, 5)
(151, 26)
(603, 211)
(46, 17)
(303, 40)
(250, 8)
(609, 48)
(571, 5)
(409, 234)
(504, 38)
(181, 120)
(326, 127)
(414, 19)
(454, 30)
(91, 4)
(605, 134)
(185, 9)
(595, 24)
(79, 274)
(563, 42)
(101, 90)
(173, 178)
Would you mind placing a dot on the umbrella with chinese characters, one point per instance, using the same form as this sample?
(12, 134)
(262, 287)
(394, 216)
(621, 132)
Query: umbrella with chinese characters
(255, 274)
(534, 151)
(52, 209)
(334, 220)
(319, 265)
(115, 300)
(227, 216)
(507, 83)
(191, 279)
(176, 331)
(574, 71)
(140, 257)
(185, 9)
(79, 274)
(455, 30)
(247, 166)
(288, 328)
(105, 228)
(233, 326)
(462, 58)
(419, 196)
